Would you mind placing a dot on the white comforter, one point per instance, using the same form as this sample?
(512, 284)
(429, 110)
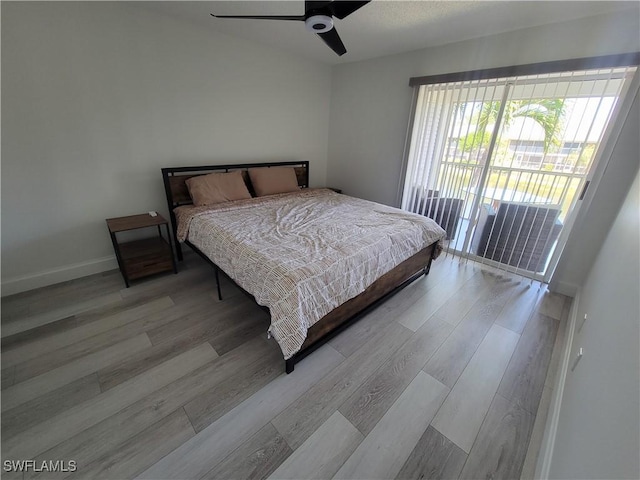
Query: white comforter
(303, 254)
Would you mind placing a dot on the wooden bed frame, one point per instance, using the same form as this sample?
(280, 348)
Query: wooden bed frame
(341, 317)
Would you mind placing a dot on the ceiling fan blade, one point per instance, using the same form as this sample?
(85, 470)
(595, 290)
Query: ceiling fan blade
(340, 9)
(332, 39)
(263, 17)
(311, 6)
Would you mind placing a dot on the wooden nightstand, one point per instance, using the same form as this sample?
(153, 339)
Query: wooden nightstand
(140, 258)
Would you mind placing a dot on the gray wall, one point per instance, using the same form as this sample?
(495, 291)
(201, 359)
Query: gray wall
(598, 432)
(97, 97)
(371, 102)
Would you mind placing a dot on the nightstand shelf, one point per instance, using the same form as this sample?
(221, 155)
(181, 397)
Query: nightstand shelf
(143, 257)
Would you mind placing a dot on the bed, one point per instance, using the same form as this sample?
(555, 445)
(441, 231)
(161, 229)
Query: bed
(314, 259)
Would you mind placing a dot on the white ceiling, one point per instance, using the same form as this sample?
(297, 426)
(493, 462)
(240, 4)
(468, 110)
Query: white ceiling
(384, 27)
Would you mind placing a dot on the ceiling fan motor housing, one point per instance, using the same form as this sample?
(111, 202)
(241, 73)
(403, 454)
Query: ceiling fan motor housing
(319, 23)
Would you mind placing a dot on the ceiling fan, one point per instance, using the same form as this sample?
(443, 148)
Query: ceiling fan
(318, 18)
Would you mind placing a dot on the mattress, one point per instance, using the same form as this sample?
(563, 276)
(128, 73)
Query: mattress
(303, 254)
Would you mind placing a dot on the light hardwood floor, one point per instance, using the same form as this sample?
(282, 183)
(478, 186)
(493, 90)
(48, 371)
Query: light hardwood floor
(450, 378)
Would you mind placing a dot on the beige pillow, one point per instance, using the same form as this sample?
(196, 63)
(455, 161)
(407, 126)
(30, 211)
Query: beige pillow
(217, 188)
(272, 180)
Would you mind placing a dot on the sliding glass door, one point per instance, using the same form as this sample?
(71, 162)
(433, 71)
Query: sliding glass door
(500, 163)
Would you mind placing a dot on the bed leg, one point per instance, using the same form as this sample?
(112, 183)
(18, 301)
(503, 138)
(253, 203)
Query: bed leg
(289, 365)
(218, 283)
(427, 269)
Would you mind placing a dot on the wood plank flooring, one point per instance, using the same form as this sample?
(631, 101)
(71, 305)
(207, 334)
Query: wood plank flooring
(450, 378)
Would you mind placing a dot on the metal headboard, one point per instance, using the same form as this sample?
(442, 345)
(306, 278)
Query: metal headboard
(175, 188)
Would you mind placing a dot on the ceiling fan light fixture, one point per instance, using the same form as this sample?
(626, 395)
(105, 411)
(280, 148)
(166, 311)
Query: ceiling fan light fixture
(319, 23)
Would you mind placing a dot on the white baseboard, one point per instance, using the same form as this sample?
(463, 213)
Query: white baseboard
(23, 283)
(543, 465)
(564, 288)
